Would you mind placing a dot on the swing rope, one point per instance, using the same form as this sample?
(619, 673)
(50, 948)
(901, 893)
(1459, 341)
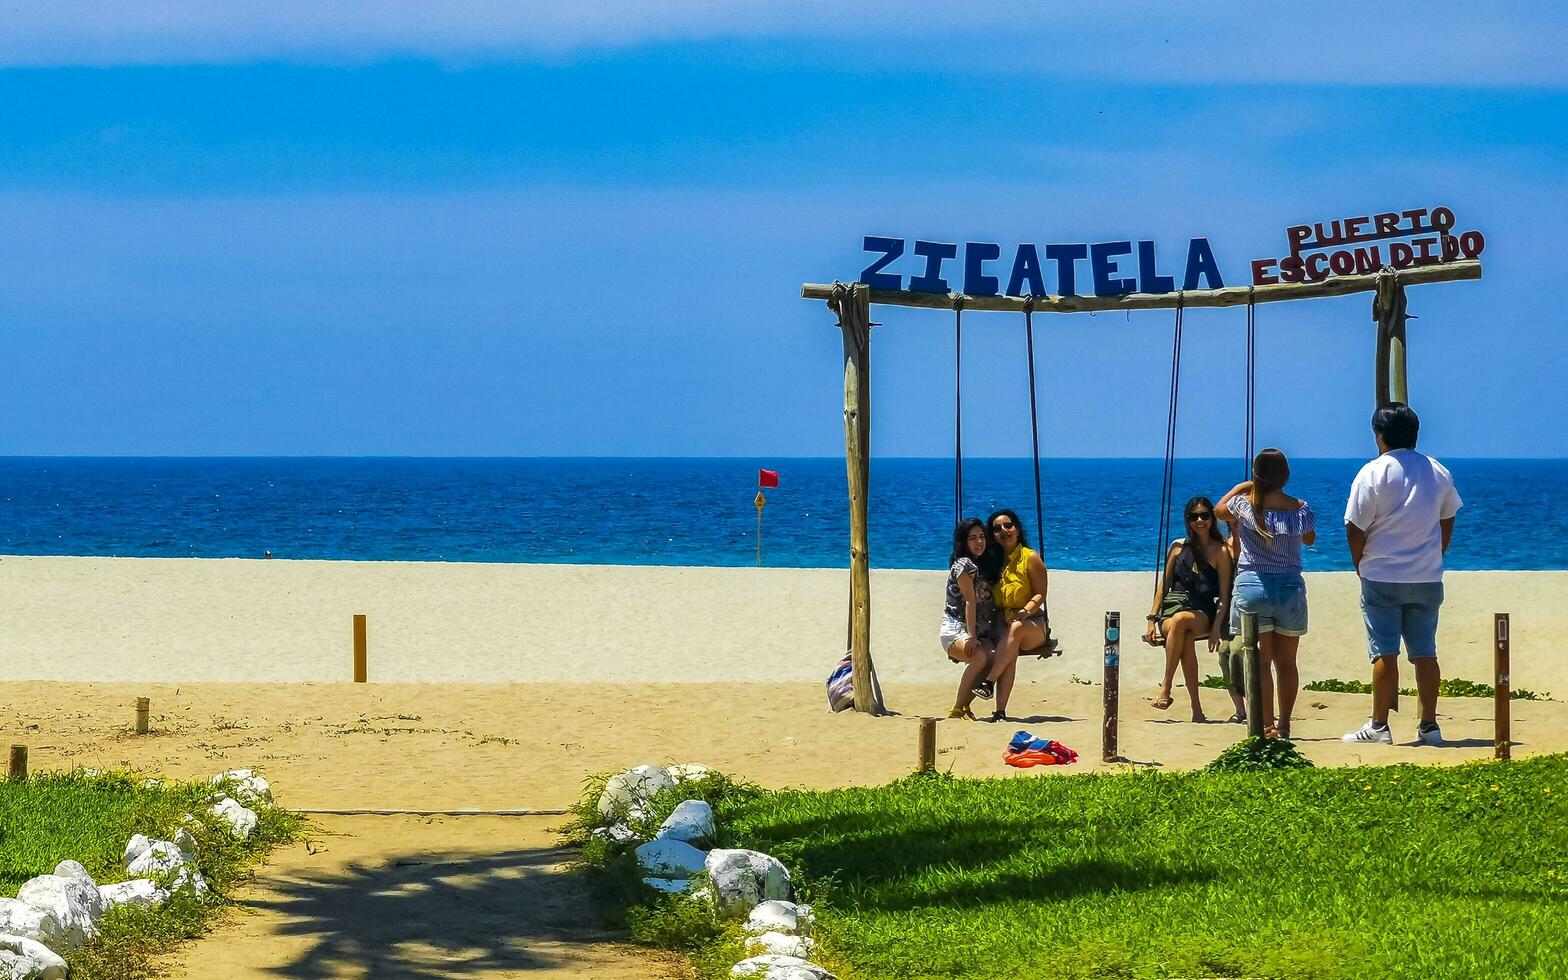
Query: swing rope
(1034, 425)
(1251, 435)
(958, 409)
(1168, 481)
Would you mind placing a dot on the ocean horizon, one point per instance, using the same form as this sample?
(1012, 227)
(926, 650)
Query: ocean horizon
(1101, 514)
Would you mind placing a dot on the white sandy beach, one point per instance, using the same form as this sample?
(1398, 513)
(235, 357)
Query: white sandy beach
(503, 686)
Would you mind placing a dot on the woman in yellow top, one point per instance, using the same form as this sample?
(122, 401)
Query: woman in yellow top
(1019, 595)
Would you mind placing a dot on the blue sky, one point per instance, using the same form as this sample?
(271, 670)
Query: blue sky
(521, 229)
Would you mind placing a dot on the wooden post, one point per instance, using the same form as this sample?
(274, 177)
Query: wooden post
(18, 768)
(359, 648)
(1254, 670)
(853, 306)
(143, 710)
(1388, 309)
(759, 502)
(1113, 659)
(1501, 736)
(927, 745)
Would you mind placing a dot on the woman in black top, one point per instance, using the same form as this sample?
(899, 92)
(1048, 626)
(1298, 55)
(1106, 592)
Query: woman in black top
(1192, 599)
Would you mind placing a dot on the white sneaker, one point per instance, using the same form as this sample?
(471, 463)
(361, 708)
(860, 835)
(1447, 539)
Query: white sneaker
(1429, 736)
(1370, 733)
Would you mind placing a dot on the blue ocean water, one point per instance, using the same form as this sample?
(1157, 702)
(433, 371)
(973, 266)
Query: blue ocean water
(1099, 514)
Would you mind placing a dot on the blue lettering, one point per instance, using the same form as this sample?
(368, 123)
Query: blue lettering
(935, 253)
(1149, 279)
(873, 276)
(1026, 266)
(976, 255)
(1200, 262)
(1065, 256)
(1102, 260)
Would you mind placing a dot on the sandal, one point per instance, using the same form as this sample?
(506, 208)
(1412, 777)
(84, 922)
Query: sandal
(985, 689)
(963, 713)
(1163, 702)
(998, 716)
(1237, 719)
(1269, 731)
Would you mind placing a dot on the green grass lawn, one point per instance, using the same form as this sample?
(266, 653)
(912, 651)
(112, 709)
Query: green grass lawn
(1400, 871)
(48, 818)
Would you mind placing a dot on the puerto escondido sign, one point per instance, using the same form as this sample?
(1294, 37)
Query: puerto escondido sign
(1344, 246)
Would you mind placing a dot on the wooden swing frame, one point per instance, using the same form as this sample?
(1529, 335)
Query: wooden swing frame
(852, 302)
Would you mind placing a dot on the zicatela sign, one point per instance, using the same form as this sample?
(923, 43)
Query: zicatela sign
(1344, 246)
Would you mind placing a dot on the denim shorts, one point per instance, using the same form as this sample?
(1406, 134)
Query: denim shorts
(1401, 609)
(1278, 598)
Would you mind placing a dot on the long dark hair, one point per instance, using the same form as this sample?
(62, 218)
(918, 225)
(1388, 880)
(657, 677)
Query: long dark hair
(1197, 556)
(990, 561)
(1023, 538)
(1270, 472)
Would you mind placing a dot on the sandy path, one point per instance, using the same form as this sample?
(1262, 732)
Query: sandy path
(418, 898)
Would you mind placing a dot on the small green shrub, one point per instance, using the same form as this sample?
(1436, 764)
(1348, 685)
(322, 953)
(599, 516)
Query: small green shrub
(1212, 681)
(1448, 687)
(1254, 754)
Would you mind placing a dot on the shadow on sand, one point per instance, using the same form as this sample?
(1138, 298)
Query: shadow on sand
(431, 915)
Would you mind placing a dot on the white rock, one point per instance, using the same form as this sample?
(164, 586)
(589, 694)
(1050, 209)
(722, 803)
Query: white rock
(74, 869)
(17, 918)
(785, 917)
(773, 967)
(248, 787)
(136, 845)
(240, 818)
(685, 772)
(74, 903)
(778, 944)
(619, 833)
(662, 858)
(160, 859)
(28, 959)
(184, 839)
(142, 892)
(152, 784)
(741, 879)
(631, 789)
(675, 886)
(691, 821)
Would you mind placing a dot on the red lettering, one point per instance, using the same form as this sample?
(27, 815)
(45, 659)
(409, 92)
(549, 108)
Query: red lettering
(1314, 273)
(1298, 235)
(1401, 255)
(1343, 263)
(1471, 243)
(1442, 219)
(1387, 224)
(1353, 226)
(1368, 259)
(1260, 272)
(1329, 236)
(1415, 219)
(1450, 248)
(1425, 245)
(1292, 269)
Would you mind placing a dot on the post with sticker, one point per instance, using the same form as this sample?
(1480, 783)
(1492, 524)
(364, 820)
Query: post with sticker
(1501, 736)
(1113, 662)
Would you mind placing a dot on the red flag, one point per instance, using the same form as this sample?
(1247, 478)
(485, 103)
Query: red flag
(767, 478)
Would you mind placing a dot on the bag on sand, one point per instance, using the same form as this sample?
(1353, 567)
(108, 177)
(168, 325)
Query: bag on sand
(841, 685)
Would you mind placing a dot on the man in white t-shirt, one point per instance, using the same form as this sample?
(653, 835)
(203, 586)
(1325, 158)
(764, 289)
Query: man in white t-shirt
(1398, 522)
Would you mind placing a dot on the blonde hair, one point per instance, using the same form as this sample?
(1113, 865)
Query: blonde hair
(1270, 471)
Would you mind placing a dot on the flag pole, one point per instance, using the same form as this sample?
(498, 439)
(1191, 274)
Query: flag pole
(759, 502)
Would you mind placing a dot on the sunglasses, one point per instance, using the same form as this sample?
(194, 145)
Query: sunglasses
(1000, 526)
(1202, 516)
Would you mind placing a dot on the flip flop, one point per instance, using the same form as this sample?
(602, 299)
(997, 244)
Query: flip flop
(1161, 704)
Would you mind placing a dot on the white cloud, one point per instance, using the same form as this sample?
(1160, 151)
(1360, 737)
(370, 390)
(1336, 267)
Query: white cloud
(1432, 42)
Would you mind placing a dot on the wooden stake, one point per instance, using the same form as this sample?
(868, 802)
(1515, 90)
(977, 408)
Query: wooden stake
(1254, 670)
(359, 648)
(1502, 736)
(853, 306)
(18, 768)
(927, 745)
(143, 710)
(1113, 662)
(1388, 309)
